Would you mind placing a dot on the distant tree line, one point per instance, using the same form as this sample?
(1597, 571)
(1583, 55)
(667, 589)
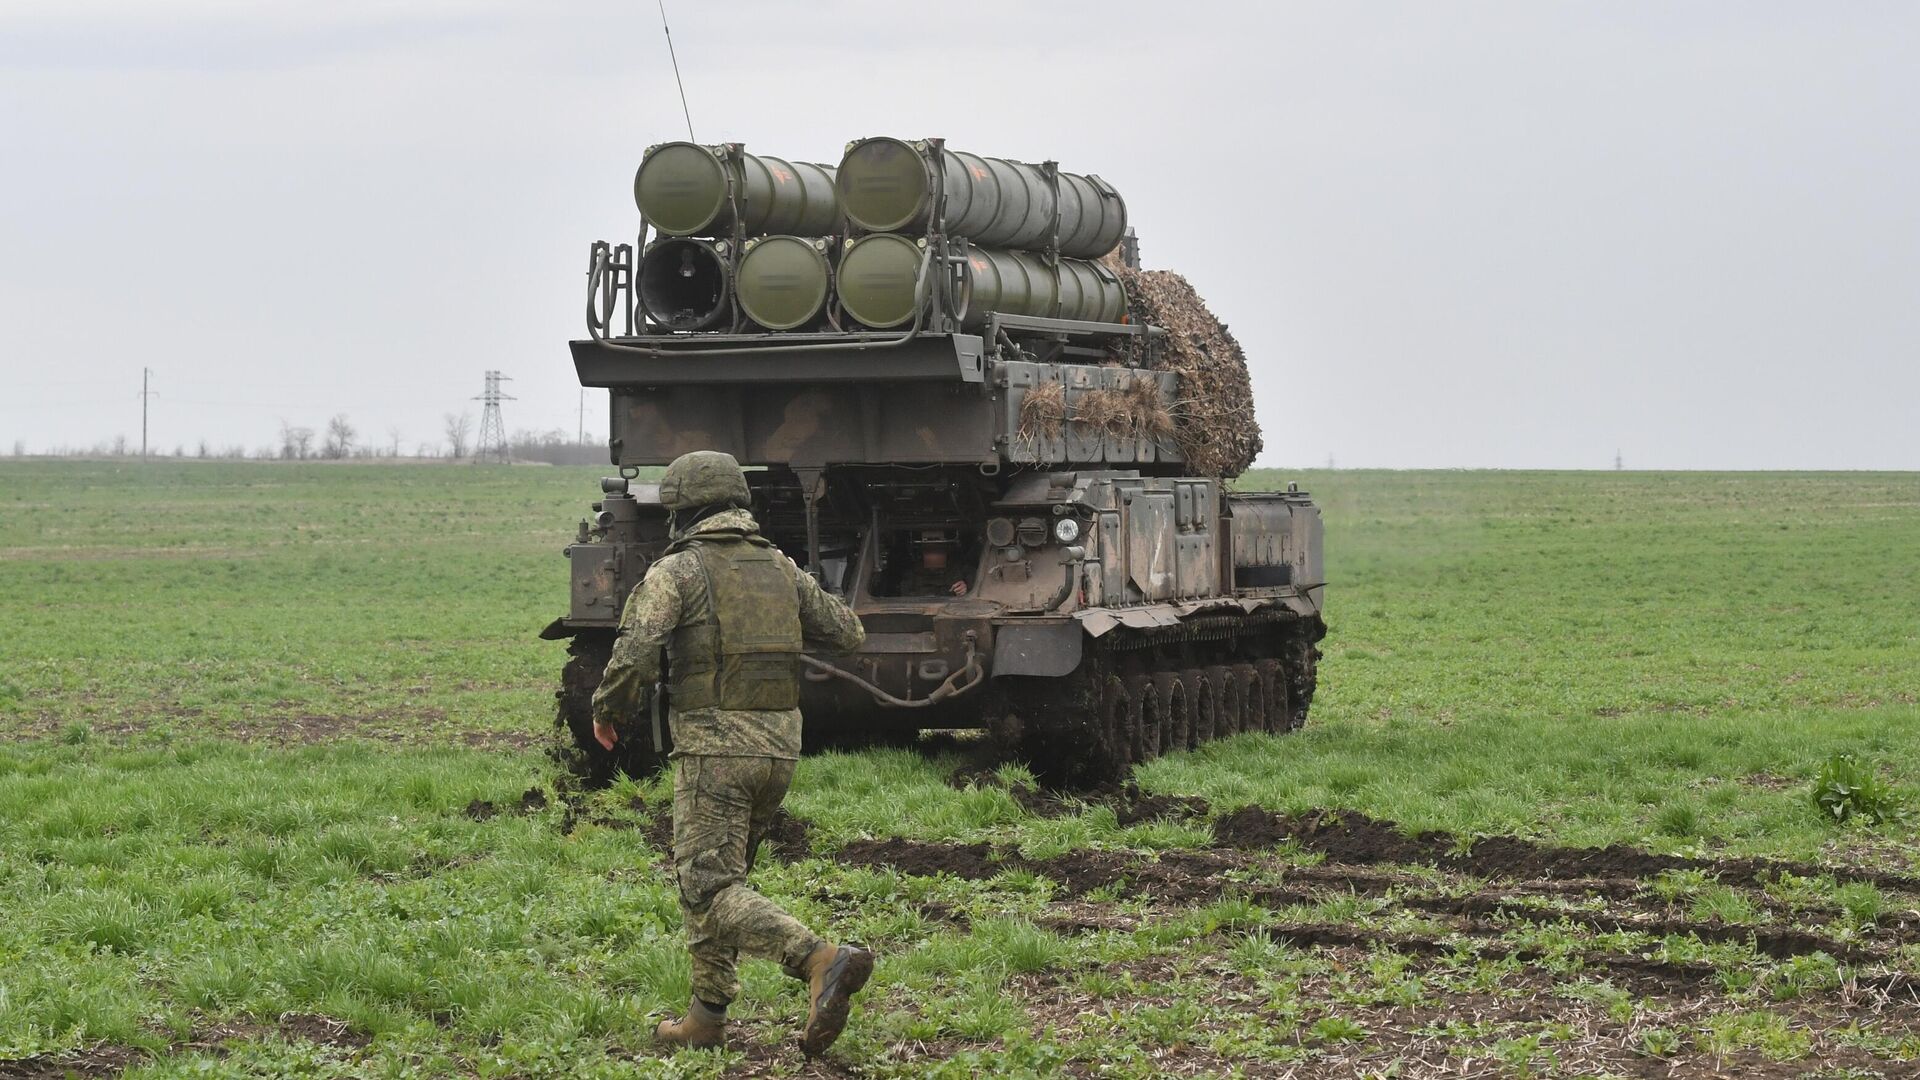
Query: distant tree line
(340, 440)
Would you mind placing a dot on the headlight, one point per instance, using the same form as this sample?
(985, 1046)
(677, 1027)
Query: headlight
(1066, 530)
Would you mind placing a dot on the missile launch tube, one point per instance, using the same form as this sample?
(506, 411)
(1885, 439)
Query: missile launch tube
(878, 285)
(888, 185)
(1016, 283)
(681, 189)
(682, 283)
(782, 282)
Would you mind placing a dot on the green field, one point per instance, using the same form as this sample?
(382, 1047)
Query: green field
(267, 734)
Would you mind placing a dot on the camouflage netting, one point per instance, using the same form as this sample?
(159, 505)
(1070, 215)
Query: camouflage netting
(1213, 422)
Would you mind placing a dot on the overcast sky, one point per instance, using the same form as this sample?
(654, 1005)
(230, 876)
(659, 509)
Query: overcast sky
(1448, 234)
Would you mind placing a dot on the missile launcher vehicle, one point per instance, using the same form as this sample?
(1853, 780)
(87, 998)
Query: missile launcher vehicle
(950, 418)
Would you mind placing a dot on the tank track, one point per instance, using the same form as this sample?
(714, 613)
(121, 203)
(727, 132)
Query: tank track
(1140, 694)
(1137, 695)
(575, 747)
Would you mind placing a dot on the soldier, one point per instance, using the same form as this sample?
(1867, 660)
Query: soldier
(730, 611)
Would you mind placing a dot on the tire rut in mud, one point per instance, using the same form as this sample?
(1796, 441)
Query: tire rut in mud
(1348, 837)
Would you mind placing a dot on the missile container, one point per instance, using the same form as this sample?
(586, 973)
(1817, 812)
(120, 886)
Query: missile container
(685, 189)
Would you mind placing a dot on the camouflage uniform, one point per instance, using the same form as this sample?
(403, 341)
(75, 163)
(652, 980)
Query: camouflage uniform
(732, 767)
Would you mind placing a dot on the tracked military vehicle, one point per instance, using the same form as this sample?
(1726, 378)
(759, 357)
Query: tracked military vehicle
(950, 418)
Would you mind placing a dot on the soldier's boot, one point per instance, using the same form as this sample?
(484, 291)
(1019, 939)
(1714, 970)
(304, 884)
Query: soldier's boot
(702, 1027)
(834, 974)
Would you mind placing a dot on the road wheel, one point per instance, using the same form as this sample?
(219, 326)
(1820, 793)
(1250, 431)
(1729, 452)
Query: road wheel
(1233, 702)
(1176, 711)
(1273, 687)
(1253, 698)
(1143, 718)
(1116, 742)
(1199, 704)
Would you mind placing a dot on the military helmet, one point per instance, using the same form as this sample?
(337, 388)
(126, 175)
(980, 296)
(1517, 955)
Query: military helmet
(703, 478)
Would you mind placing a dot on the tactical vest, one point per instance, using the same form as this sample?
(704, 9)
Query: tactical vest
(745, 654)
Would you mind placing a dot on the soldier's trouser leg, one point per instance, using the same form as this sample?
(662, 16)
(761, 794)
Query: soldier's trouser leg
(722, 808)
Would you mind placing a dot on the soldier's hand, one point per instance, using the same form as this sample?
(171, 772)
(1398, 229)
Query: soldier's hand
(605, 735)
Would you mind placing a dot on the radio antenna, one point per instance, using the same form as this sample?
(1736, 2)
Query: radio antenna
(676, 69)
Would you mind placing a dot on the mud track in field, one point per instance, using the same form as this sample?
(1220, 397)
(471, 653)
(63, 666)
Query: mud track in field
(1347, 837)
(1559, 928)
(1465, 896)
(1478, 921)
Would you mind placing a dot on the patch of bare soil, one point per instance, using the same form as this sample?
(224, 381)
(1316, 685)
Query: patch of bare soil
(975, 862)
(1478, 918)
(1348, 837)
(111, 1060)
(103, 1060)
(324, 1030)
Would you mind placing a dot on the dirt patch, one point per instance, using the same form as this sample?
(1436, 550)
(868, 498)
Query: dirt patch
(532, 800)
(1349, 837)
(324, 1030)
(111, 1060)
(790, 838)
(974, 862)
(481, 810)
(95, 1061)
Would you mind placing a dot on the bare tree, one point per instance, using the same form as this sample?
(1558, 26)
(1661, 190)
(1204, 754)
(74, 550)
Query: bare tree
(19, 448)
(296, 443)
(339, 441)
(119, 446)
(458, 429)
(393, 440)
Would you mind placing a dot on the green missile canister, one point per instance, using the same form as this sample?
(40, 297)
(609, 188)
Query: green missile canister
(782, 282)
(682, 283)
(681, 189)
(879, 272)
(879, 279)
(1016, 283)
(888, 185)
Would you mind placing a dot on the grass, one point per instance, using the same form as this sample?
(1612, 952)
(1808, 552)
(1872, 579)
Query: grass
(245, 709)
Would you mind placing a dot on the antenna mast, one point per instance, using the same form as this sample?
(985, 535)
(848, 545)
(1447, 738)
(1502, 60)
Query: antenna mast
(676, 69)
